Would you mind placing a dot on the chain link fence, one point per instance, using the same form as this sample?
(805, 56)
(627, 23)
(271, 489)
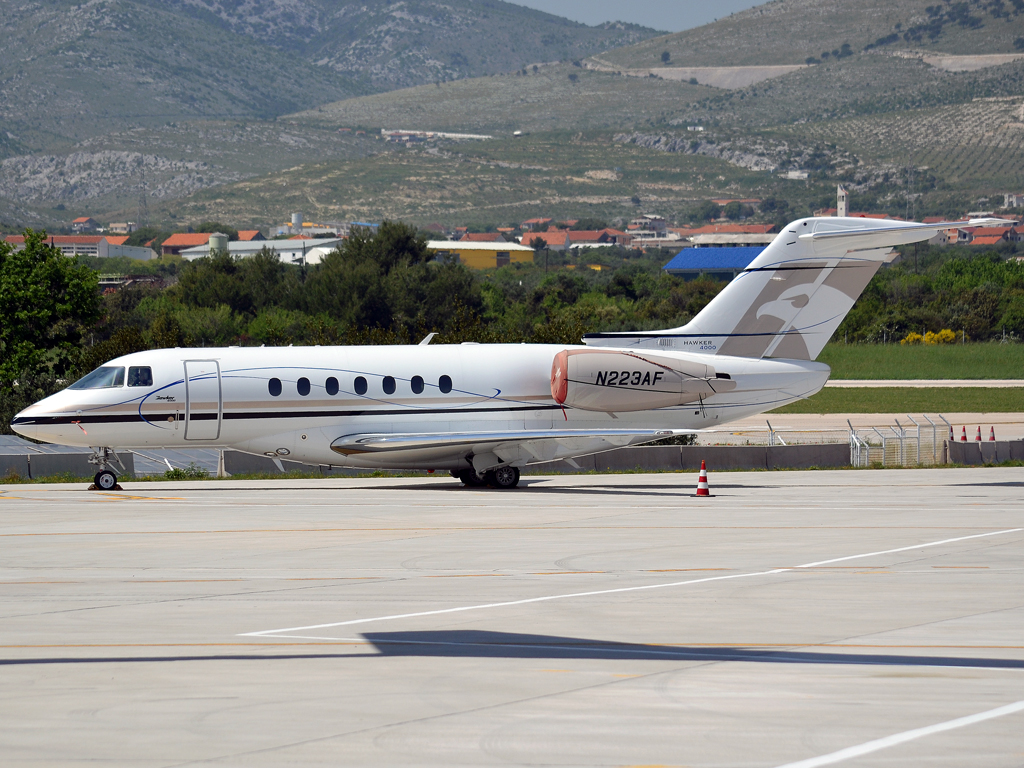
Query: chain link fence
(913, 442)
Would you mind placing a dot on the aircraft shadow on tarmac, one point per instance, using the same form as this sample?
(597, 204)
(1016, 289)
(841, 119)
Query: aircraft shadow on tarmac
(484, 644)
(685, 488)
(478, 644)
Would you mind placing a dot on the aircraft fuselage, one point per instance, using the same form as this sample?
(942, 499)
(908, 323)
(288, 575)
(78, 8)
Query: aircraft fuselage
(297, 402)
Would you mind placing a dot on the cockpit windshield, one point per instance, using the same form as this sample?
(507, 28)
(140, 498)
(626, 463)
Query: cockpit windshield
(101, 378)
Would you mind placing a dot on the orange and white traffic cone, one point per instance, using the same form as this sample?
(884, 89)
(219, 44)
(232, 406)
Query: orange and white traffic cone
(991, 434)
(952, 437)
(978, 438)
(702, 481)
(963, 435)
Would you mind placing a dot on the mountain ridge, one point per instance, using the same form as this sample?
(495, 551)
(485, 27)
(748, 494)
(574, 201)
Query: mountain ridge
(70, 70)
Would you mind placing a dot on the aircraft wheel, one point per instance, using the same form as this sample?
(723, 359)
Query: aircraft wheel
(471, 479)
(105, 480)
(503, 477)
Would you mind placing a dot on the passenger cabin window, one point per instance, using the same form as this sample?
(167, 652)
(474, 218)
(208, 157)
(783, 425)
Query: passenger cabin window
(389, 385)
(417, 385)
(274, 386)
(360, 385)
(140, 376)
(331, 386)
(101, 378)
(445, 384)
(303, 386)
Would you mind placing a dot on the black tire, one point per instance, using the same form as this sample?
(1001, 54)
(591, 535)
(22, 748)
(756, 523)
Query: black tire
(505, 477)
(105, 480)
(471, 479)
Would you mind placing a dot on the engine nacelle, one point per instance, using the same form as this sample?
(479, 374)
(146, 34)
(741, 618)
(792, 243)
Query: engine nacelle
(594, 380)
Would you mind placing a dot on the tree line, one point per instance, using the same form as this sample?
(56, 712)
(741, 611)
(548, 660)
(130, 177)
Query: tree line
(385, 287)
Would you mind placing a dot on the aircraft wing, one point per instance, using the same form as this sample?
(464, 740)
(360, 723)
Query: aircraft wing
(489, 449)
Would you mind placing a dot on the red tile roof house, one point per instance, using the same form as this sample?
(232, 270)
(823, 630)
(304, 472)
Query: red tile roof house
(82, 245)
(598, 237)
(555, 241)
(483, 237)
(731, 229)
(994, 236)
(619, 237)
(250, 235)
(84, 224)
(988, 239)
(175, 244)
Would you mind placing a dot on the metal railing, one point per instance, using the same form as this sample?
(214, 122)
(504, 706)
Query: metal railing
(910, 443)
(900, 445)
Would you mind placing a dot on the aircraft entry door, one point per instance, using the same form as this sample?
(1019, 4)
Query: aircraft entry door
(204, 401)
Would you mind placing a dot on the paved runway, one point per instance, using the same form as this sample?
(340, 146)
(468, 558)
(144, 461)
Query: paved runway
(861, 618)
(925, 383)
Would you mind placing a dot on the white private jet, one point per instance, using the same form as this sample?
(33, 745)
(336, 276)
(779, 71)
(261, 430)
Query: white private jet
(483, 411)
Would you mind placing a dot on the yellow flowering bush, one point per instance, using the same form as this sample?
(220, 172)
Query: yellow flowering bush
(945, 336)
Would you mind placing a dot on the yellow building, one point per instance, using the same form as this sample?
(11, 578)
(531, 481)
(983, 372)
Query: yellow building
(482, 255)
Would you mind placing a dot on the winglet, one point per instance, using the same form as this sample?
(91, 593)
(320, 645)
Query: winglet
(427, 339)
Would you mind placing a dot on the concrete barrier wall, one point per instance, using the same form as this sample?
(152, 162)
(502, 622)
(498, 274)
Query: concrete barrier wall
(238, 463)
(718, 457)
(975, 453)
(77, 464)
(807, 456)
(13, 465)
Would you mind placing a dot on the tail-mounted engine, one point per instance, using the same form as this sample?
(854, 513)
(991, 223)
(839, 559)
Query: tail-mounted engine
(594, 380)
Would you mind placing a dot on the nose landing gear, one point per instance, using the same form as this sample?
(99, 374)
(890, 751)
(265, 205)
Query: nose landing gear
(105, 479)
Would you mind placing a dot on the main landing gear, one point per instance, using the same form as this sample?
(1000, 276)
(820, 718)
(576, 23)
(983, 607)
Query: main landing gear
(503, 478)
(104, 479)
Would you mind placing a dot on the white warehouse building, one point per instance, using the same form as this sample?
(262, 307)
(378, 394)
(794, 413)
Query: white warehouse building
(308, 251)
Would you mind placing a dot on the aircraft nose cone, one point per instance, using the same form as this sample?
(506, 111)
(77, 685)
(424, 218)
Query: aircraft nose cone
(25, 426)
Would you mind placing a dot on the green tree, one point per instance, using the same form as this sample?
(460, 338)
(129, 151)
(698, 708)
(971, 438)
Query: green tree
(47, 301)
(707, 211)
(388, 280)
(143, 235)
(735, 210)
(216, 226)
(590, 224)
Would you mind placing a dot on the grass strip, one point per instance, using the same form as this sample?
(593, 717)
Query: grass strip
(948, 361)
(910, 400)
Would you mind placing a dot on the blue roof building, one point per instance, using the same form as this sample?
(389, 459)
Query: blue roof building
(719, 263)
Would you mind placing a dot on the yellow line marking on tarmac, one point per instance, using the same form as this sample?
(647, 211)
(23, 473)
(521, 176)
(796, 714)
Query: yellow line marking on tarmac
(681, 570)
(465, 575)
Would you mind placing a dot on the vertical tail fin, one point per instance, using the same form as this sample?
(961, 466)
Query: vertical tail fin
(789, 301)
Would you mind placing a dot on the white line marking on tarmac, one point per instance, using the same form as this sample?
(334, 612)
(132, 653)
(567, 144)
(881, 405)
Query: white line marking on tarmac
(618, 590)
(900, 738)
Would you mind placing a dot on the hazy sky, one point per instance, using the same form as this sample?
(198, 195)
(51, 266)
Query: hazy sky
(670, 15)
